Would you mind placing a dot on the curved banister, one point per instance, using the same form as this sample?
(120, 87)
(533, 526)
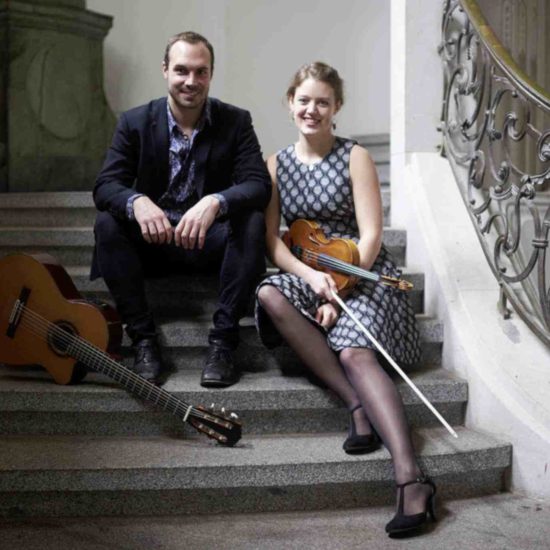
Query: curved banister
(501, 56)
(496, 135)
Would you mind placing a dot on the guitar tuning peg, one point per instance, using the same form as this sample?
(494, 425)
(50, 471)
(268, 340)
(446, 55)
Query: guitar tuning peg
(223, 410)
(233, 416)
(212, 406)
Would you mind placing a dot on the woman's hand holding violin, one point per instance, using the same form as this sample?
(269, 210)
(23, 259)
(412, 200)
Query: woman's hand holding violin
(322, 284)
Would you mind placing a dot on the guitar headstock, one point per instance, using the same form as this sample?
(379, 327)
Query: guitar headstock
(221, 425)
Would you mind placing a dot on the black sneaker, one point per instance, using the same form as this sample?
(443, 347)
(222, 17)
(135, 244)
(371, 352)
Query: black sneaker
(219, 370)
(148, 361)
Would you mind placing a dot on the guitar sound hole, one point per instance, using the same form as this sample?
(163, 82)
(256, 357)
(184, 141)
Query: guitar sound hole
(60, 336)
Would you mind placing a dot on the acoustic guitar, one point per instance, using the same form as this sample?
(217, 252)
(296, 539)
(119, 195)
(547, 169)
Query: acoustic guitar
(45, 321)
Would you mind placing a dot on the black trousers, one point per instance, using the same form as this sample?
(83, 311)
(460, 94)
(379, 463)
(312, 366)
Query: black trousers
(234, 248)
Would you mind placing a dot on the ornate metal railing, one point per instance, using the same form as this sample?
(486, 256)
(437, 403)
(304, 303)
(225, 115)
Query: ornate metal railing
(496, 134)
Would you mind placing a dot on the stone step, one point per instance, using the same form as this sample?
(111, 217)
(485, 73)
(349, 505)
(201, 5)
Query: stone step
(491, 522)
(75, 209)
(68, 209)
(192, 331)
(268, 402)
(199, 292)
(384, 178)
(84, 476)
(378, 146)
(73, 246)
(386, 202)
(185, 341)
(368, 140)
(194, 283)
(380, 153)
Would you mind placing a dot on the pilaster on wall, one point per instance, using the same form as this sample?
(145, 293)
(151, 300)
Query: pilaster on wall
(416, 92)
(56, 122)
(3, 97)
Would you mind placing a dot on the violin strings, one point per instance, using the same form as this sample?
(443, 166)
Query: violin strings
(40, 326)
(329, 261)
(339, 265)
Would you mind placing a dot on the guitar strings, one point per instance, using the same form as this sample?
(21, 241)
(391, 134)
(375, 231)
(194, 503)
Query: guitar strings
(162, 398)
(138, 386)
(41, 327)
(93, 356)
(63, 337)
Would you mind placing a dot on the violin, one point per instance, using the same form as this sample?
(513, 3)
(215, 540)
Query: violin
(337, 256)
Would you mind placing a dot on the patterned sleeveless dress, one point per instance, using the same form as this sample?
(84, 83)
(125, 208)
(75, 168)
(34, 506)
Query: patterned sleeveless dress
(322, 192)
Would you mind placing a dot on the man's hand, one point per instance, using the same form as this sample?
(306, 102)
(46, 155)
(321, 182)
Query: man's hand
(191, 229)
(327, 315)
(155, 226)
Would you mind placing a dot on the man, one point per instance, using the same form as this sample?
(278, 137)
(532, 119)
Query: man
(183, 187)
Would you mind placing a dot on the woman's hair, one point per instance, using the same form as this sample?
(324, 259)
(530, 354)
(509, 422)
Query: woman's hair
(318, 71)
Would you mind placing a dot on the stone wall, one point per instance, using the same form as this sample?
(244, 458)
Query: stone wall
(58, 121)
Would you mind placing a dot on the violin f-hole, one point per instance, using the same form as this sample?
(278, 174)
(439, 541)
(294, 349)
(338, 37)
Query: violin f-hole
(314, 240)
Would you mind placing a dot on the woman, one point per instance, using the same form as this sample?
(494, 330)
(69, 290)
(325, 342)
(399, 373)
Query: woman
(333, 181)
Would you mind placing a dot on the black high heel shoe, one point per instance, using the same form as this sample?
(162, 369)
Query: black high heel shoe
(359, 444)
(401, 523)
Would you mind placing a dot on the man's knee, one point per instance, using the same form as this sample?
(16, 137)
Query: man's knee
(106, 226)
(248, 240)
(255, 221)
(250, 226)
(110, 229)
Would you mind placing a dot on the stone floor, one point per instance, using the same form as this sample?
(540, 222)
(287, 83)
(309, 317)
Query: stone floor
(499, 522)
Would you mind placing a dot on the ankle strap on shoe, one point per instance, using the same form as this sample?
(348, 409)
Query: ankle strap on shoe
(423, 479)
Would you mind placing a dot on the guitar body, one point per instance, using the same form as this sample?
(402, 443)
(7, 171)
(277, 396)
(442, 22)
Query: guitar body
(52, 301)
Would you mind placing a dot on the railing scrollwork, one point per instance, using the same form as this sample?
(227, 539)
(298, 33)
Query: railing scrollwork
(496, 134)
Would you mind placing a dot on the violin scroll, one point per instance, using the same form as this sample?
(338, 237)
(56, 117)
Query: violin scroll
(400, 284)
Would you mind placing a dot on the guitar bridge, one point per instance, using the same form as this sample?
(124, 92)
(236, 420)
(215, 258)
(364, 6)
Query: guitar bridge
(16, 312)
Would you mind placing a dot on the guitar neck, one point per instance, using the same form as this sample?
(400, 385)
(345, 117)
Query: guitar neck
(99, 361)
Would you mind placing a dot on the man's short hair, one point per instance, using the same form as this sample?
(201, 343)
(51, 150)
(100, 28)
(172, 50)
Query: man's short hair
(191, 38)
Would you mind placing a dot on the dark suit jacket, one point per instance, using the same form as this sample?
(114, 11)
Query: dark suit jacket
(228, 160)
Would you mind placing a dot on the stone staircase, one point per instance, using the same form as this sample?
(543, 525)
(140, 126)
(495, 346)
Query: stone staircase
(92, 449)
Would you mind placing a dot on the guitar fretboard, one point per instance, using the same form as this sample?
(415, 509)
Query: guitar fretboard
(98, 361)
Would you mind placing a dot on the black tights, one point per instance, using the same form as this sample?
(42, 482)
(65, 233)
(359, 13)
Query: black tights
(358, 378)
